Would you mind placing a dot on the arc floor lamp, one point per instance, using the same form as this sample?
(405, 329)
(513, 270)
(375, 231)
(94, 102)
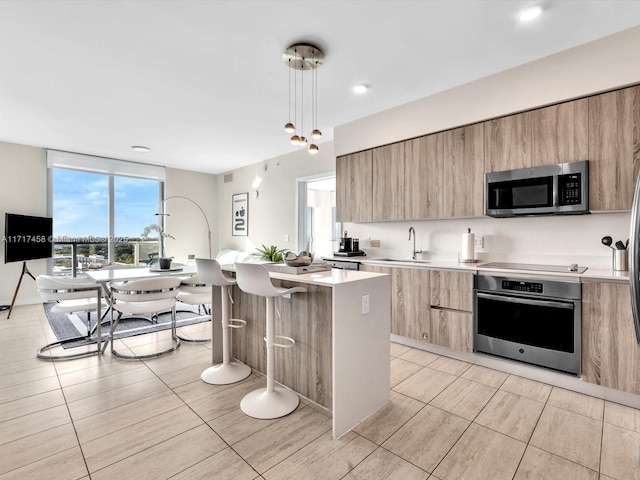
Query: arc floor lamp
(163, 214)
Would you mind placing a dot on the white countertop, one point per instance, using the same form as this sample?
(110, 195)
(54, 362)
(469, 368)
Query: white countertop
(591, 274)
(326, 278)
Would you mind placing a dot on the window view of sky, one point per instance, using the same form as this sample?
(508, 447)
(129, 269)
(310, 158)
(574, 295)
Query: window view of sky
(81, 204)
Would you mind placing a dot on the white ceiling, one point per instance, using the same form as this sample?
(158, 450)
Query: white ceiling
(203, 85)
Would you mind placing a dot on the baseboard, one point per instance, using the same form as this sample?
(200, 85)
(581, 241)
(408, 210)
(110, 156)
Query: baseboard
(540, 374)
(24, 301)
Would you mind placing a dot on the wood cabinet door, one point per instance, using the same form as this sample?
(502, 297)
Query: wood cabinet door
(409, 299)
(354, 187)
(560, 133)
(412, 307)
(451, 329)
(508, 142)
(451, 289)
(614, 148)
(423, 177)
(463, 172)
(610, 352)
(388, 182)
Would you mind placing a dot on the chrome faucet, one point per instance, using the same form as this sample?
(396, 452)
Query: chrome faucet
(415, 252)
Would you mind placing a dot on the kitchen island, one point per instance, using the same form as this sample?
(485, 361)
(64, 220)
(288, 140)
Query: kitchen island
(341, 326)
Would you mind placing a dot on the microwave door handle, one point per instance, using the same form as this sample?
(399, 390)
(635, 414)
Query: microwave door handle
(526, 301)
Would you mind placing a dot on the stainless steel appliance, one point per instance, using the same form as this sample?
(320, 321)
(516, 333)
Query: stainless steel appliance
(536, 320)
(547, 190)
(349, 247)
(341, 264)
(634, 259)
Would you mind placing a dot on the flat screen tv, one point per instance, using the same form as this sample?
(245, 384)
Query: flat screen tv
(27, 237)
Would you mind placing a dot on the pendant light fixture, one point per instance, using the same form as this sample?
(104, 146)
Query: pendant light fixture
(303, 57)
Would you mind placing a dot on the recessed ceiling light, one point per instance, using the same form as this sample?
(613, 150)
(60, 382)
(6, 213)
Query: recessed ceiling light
(360, 89)
(140, 148)
(530, 13)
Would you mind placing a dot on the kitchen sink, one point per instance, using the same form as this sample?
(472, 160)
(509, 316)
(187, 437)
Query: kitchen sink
(399, 260)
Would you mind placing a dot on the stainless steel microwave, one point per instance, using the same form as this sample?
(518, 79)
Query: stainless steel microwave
(559, 189)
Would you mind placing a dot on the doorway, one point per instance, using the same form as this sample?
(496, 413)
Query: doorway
(317, 225)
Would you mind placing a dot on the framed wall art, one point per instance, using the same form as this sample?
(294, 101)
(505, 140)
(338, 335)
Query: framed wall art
(240, 219)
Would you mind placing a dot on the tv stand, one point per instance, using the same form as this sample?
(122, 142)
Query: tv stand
(25, 271)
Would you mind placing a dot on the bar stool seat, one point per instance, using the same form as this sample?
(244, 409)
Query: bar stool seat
(230, 370)
(193, 291)
(272, 401)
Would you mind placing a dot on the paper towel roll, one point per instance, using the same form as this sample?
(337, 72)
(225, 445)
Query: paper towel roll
(467, 249)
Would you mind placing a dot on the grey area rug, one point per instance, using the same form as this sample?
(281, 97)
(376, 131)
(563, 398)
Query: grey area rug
(70, 325)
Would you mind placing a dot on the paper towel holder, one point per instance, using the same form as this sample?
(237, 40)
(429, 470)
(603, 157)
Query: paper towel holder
(468, 248)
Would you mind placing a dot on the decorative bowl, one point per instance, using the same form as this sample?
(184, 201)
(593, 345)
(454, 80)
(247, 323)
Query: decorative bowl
(303, 259)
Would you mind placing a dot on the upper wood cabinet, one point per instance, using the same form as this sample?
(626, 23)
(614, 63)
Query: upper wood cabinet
(423, 177)
(463, 172)
(354, 187)
(610, 352)
(560, 133)
(441, 175)
(388, 182)
(508, 142)
(614, 148)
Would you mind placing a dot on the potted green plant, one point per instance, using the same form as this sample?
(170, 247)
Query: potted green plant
(270, 254)
(164, 262)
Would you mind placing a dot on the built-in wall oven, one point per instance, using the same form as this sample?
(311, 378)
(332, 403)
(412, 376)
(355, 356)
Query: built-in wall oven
(536, 320)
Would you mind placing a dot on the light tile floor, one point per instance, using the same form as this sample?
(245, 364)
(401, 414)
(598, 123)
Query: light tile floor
(105, 418)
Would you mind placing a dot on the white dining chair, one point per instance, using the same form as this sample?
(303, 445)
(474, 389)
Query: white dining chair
(72, 295)
(146, 296)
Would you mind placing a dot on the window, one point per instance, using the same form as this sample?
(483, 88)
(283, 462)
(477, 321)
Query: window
(101, 215)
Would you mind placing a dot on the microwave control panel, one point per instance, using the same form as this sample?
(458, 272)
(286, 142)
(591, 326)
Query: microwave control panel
(570, 189)
(530, 287)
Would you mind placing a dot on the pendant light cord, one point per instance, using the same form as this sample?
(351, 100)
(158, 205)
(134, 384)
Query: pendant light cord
(295, 99)
(289, 90)
(302, 97)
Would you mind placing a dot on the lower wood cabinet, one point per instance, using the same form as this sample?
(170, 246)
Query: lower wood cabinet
(451, 302)
(453, 329)
(450, 324)
(610, 352)
(451, 289)
(409, 299)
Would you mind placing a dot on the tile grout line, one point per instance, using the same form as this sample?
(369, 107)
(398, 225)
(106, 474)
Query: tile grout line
(73, 423)
(210, 427)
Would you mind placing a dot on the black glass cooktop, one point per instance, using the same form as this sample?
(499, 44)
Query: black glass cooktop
(533, 267)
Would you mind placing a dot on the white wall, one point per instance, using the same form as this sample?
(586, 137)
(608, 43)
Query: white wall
(185, 221)
(547, 240)
(273, 214)
(604, 64)
(598, 66)
(23, 190)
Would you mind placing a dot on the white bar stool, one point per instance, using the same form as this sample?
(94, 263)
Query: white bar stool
(229, 371)
(272, 401)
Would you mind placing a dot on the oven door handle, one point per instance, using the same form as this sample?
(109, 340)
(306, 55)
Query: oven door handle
(527, 301)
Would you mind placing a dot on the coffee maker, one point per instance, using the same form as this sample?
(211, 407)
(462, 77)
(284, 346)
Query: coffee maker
(349, 247)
